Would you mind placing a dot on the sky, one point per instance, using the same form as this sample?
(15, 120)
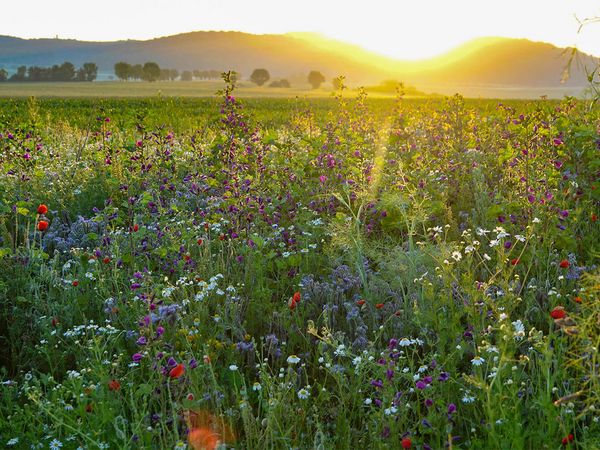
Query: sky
(404, 29)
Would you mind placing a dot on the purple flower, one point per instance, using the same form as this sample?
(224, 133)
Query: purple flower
(377, 383)
(135, 286)
(142, 340)
(507, 245)
(444, 376)
(421, 385)
(429, 403)
(451, 408)
(137, 357)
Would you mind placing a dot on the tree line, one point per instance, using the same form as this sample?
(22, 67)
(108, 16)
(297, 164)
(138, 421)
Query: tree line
(63, 72)
(151, 71)
(261, 76)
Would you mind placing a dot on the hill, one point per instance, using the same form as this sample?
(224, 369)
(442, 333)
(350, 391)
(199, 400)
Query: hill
(483, 62)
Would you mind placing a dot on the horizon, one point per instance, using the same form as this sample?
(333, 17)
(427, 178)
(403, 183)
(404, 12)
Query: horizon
(317, 35)
(401, 32)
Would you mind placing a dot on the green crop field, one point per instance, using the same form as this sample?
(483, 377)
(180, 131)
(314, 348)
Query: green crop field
(187, 89)
(312, 271)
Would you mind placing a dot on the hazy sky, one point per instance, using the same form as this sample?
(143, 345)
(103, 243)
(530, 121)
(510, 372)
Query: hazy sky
(399, 28)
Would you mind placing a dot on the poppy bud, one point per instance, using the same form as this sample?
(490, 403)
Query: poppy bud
(42, 209)
(42, 225)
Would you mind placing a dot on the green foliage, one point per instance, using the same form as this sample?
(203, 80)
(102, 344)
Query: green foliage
(330, 273)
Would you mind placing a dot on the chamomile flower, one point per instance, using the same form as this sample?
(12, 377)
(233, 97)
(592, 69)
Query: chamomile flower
(477, 361)
(303, 394)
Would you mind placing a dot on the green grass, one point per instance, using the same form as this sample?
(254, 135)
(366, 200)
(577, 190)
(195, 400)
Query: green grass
(337, 272)
(114, 89)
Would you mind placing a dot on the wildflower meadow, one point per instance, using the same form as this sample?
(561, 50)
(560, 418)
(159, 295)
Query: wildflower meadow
(339, 273)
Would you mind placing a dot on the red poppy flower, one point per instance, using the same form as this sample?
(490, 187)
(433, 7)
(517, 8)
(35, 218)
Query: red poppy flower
(379, 305)
(203, 439)
(570, 437)
(564, 441)
(55, 321)
(577, 299)
(206, 430)
(89, 408)
(75, 283)
(515, 261)
(200, 241)
(177, 371)
(42, 225)
(186, 257)
(42, 209)
(136, 227)
(360, 302)
(564, 264)
(296, 297)
(558, 313)
(114, 385)
(594, 217)
(406, 443)
(106, 260)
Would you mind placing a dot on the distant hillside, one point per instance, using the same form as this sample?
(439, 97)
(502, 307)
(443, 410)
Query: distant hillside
(282, 55)
(501, 61)
(488, 61)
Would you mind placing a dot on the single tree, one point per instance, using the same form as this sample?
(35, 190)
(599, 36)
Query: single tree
(20, 74)
(3, 75)
(315, 78)
(173, 74)
(338, 83)
(187, 75)
(91, 71)
(164, 74)
(66, 72)
(123, 71)
(260, 76)
(80, 76)
(151, 71)
(137, 71)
